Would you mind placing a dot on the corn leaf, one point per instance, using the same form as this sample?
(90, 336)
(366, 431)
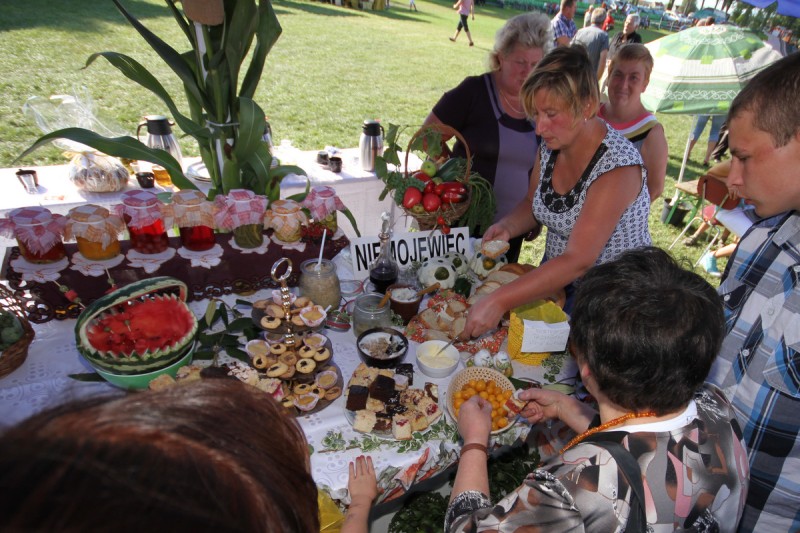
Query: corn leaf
(133, 70)
(231, 176)
(182, 22)
(239, 32)
(170, 56)
(258, 162)
(251, 128)
(269, 29)
(126, 147)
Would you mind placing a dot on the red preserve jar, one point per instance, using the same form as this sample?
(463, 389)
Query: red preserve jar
(194, 216)
(143, 215)
(38, 233)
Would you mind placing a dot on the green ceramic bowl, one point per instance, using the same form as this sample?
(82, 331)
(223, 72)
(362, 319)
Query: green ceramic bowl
(141, 381)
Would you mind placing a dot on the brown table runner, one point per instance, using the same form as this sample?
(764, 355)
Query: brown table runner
(237, 273)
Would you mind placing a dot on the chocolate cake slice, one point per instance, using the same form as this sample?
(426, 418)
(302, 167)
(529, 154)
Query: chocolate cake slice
(357, 398)
(383, 422)
(381, 388)
(407, 369)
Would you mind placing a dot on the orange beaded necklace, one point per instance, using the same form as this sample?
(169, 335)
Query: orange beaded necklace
(602, 427)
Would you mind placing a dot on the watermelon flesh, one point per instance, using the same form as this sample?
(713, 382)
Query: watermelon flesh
(154, 325)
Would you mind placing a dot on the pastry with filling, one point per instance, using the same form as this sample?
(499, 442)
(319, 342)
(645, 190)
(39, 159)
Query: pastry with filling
(365, 421)
(401, 427)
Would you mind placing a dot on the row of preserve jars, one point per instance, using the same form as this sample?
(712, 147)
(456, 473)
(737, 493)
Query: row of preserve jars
(96, 230)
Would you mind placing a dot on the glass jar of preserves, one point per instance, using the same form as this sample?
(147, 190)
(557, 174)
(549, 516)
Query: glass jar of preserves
(367, 314)
(38, 233)
(321, 285)
(194, 216)
(145, 219)
(96, 231)
(285, 217)
(323, 203)
(242, 212)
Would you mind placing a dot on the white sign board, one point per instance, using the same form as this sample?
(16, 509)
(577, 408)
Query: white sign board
(539, 337)
(408, 247)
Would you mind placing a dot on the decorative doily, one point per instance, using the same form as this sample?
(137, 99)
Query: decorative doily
(149, 262)
(260, 250)
(93, 267)
(39, 272)
(300, 246)
(205, 259)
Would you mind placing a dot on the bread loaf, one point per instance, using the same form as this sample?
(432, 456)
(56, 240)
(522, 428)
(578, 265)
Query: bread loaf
(494, 249)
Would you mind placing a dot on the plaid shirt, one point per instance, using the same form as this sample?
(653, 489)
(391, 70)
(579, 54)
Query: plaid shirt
(759, 367)
(563, 26)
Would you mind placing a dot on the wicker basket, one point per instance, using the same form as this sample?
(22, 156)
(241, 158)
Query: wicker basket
(13, 356)
(477, 372)
(449, 212)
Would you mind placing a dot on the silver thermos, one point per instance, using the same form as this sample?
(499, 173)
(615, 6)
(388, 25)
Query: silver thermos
(371, 144)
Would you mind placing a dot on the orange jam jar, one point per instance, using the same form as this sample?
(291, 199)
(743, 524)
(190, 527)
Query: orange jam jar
(95, 230)
(38, 232)
(194, 216)
(144, 216)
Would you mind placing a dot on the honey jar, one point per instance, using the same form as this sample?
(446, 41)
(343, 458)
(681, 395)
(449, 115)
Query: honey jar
(144, 217)
(285, 217)
(194, 216)
(95, 230)
(38, 233)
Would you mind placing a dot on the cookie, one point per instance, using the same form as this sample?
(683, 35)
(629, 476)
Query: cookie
(277, 370)
(301, 388)
(262, 361)
(268, 322)
(322, 355)
(277, 348)
(307, 352)
(333, 393)
(306, 366)
(288, 358)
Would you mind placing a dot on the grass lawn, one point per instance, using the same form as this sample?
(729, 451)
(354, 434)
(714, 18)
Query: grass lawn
(332, 68)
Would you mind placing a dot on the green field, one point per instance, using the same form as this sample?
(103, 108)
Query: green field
(332, 68)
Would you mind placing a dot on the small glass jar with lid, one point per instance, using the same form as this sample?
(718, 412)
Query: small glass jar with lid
(194, 216)
(323, 203)
(146, 219)
(38, 232)
(368, 314)
(286, 218)
(96, 231)
(320, 285)
(242, 212)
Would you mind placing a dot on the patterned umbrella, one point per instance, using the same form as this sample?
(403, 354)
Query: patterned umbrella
(700, 70)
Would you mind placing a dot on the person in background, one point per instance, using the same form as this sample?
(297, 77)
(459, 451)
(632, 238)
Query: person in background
(629, 74)
(713, 135)
(644, 333)
(608, 23)
(587, 16)
(588, 186)
(564, 28)
(595, 40)
(465, 9)
(628, 35)
(213, 455)
(758, 364)
(486, 110)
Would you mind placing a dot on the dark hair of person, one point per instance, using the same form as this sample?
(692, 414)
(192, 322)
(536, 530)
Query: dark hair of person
(213, 455)
(769, 97)
(566, 72)
(568, 3)
(648, 330)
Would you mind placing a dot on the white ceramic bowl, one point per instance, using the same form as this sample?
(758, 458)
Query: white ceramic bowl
(441, 369)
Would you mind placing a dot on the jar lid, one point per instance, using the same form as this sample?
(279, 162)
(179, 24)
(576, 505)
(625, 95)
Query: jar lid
(139, 198)
(31, 215)
(238, 195)
(188, 197)
(89, 213)
(285, 207)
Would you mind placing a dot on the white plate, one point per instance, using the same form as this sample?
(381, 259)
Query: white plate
(198, 171)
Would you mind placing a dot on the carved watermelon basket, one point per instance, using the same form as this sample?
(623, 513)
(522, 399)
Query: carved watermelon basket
(141, 328)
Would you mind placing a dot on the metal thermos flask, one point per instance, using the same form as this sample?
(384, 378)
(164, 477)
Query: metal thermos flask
(159, 135)
(371, 144)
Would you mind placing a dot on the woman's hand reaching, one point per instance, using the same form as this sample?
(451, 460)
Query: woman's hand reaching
(497, 232)
(482, 317)
(545, 405)
(475, 420)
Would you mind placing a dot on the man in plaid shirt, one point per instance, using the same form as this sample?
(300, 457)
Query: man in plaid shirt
(759, 364)
(564, 28)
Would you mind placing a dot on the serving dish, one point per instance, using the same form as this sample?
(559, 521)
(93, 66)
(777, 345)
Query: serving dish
(142, 381)
(475, 373)
(431, 358)
(382, 347)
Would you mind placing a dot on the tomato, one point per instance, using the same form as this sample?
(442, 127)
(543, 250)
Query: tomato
(412, 197)
(441, 221)
(445, 229)
(450, 186)
(431, 202)
(429, 187)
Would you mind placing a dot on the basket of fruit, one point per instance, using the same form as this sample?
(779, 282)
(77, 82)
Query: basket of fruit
(16, 332)
(444, 191)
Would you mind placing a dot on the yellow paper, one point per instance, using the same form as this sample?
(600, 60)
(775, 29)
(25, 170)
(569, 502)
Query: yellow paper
(542, 310)
(330, 517)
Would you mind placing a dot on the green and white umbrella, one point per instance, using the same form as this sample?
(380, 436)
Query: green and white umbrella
(700, 70)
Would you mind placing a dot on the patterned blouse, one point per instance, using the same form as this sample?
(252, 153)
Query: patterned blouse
(694, 477)
(560, 212)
